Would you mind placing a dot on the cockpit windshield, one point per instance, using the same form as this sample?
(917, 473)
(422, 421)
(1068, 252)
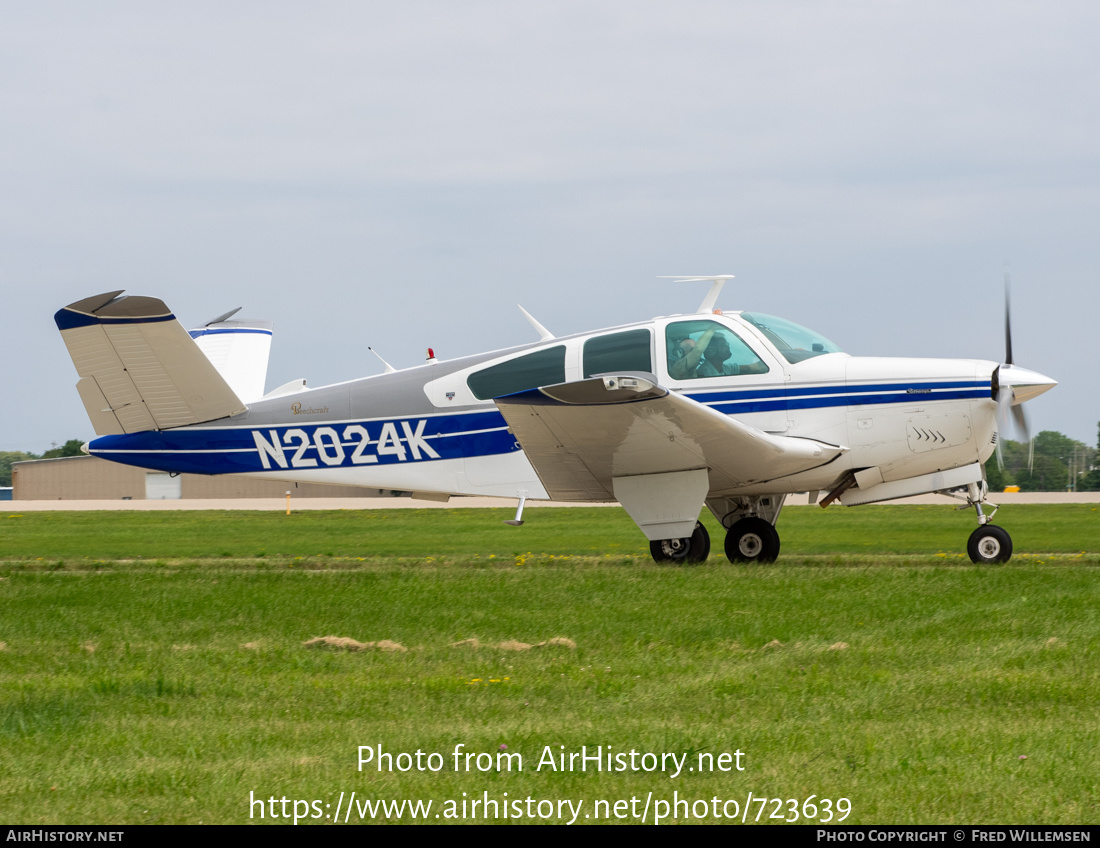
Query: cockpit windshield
(794, 341)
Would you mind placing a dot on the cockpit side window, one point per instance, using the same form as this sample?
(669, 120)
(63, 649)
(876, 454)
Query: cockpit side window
(698, 349)
(541, 368)
(617, 352)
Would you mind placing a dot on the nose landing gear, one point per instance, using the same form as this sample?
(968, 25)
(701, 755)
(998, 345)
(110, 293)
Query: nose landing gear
(989, 544)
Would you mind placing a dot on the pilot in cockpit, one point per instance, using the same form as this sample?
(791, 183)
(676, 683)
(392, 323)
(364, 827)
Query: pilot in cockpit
(702, 357)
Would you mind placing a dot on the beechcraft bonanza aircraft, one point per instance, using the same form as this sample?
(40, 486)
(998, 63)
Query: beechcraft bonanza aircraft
(733, 411)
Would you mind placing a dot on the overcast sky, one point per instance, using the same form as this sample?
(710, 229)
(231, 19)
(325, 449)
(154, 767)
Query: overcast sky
(402, 174)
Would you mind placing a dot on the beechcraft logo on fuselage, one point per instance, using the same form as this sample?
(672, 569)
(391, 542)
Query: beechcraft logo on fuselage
(348, 445)
(296, 408)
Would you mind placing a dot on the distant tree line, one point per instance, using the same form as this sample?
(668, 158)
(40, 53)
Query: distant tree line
(70, 448)
(1059, 464)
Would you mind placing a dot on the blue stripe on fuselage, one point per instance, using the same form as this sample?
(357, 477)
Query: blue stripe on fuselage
(462, 435)
(345, 444)
(821, 397)
(851, 389)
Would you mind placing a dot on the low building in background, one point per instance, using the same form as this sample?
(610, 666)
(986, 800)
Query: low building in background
(89, 478)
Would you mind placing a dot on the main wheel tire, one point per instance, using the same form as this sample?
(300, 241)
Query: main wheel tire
(691, 549)
(989, 545)
(752, 540)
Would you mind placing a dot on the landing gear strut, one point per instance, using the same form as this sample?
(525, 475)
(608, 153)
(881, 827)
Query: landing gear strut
(691, 549)
(989, 544)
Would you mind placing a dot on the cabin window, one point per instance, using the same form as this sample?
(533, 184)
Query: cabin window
(792, 340)
(541, 368)
(700, 349)
(618, 352)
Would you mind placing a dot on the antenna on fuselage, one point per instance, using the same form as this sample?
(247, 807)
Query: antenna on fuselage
(707, 306)
(389, 368)
(544, 334)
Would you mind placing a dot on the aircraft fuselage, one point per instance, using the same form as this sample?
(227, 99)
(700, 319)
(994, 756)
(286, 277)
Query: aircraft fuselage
(426, 429)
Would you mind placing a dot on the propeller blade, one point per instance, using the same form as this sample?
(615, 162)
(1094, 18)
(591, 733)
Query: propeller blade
(1023, 429)
(1016, 386)
(1004, 404)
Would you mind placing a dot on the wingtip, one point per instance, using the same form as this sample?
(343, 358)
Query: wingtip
(81, 313)
(109, 308)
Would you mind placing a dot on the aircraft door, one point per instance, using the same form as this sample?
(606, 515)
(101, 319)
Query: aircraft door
(713, 364)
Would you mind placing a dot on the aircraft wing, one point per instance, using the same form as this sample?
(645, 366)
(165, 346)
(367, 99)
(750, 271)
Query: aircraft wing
(582, 436)
(139, 369)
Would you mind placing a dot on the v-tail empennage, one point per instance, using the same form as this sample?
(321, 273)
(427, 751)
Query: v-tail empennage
(139, 368)
(239, 351)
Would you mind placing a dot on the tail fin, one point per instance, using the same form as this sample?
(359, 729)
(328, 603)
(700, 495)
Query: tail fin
(239, 351)
(139, 369)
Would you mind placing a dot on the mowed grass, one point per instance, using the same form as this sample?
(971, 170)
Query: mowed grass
(465, 533)
(870, 666)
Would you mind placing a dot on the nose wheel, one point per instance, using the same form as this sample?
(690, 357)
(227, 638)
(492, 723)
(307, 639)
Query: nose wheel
(989, 545)
(691, 549)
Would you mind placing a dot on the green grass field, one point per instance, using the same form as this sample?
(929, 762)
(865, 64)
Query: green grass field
(467, 533)
(153, 666)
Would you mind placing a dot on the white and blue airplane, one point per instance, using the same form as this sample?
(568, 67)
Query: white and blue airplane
(733, 411)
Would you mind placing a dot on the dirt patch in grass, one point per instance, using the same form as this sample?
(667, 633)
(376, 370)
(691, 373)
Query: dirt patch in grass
(558, 642)
(514, 645)
(346, 643)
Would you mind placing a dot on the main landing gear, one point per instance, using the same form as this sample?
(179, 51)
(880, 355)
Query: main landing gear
(752, 540)
(750, 526)
(989, 544)
(691, 549)
(750, 533)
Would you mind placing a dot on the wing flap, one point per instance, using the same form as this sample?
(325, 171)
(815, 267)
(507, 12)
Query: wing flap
(138, 367)
(627, 426)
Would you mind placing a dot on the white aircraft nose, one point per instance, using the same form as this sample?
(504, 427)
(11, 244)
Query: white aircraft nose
(1025, 384)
